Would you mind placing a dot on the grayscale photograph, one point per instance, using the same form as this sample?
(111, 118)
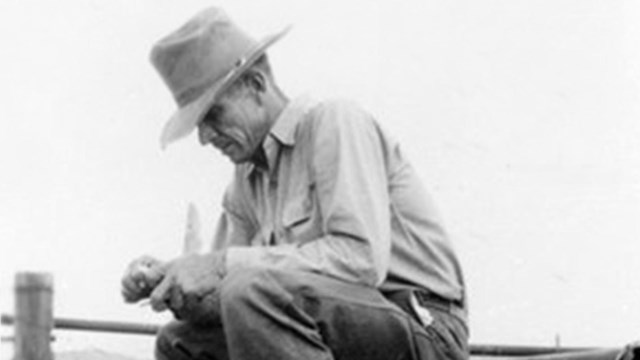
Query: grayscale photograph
(337, 179)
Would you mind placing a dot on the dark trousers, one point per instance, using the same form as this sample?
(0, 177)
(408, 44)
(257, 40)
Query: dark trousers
(270, 314)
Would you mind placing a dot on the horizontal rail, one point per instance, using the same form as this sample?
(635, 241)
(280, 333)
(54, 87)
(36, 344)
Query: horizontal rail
(152, 329)
(96, 325)
(520, 350)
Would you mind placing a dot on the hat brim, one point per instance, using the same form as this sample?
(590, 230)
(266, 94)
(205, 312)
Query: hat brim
(186, 118)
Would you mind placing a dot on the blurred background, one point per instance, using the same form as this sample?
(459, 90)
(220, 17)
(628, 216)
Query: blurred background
(521, 116)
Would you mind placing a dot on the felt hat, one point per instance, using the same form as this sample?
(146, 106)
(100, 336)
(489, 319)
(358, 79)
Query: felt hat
(199, 60)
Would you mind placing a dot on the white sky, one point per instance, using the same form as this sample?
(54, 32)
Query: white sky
(521, 116)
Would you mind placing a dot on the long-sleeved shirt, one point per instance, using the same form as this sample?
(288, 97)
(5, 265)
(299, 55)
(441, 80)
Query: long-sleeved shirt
(337, 197)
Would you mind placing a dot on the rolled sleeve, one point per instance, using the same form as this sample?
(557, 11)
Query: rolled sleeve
(352, 190)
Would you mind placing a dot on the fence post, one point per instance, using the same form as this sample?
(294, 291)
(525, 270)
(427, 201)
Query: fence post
(33, 316)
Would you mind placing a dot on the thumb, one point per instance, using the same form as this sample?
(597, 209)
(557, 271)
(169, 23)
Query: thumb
(160, 294)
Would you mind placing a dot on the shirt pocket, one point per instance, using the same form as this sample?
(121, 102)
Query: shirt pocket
(298, 217)
(298, 211)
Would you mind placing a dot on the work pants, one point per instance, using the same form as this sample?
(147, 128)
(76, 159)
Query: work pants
(271, 314)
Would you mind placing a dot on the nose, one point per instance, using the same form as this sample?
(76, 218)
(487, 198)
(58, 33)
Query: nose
(205, 134)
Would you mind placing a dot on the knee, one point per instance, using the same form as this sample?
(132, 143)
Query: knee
(251, 285)
(167, 341)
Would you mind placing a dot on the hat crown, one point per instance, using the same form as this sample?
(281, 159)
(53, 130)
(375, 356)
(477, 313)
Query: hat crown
(200, 53)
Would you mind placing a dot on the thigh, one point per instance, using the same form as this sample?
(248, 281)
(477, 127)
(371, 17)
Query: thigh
(354, 321)
(179, 340)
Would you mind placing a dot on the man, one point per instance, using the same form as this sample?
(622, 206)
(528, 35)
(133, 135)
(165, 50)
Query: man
(328, 247)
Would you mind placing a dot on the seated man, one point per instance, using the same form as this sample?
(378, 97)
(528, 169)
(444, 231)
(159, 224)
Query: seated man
(328, 246)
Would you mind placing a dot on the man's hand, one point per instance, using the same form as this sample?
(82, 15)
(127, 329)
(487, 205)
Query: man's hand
(189, 287)
(141, 277)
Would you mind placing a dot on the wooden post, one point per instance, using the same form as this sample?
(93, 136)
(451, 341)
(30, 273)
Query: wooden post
(34, 316)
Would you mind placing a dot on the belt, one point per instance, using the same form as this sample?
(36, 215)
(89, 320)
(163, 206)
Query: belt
(436, 302)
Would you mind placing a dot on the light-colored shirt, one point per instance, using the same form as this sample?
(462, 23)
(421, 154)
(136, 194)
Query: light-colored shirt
(338, 198)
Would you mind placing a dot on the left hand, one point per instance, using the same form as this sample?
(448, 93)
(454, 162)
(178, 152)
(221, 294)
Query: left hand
(140, 277)
(189, 286)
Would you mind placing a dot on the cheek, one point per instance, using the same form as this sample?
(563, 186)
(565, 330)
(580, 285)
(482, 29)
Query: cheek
(237, 136)
(247, 129)
(241, 124)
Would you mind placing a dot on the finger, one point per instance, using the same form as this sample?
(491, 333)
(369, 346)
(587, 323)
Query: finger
(145, 260)
(129, 289)
(126, 295)
(130, 297)
(135, 281)
(176, 301)
(160, 294)
(134, 290)
(134, 285)
(152, 276)
(154, 264)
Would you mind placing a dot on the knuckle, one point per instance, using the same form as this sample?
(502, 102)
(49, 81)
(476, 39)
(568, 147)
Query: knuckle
(128, 285)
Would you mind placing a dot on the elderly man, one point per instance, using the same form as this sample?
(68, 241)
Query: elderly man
(327, 247)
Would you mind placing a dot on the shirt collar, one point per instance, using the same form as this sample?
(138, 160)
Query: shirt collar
(285, 126)
(283, 131)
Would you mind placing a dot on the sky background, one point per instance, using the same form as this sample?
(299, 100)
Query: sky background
(521, 116)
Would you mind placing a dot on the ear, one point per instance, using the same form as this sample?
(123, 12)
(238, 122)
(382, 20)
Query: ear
(256, 81)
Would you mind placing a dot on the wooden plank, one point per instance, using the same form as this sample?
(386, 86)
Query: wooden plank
(34, 316)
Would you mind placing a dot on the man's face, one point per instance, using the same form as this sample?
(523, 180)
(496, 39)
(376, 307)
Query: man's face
(236, 124)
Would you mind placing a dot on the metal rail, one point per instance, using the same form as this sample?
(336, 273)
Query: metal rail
(520, 350)
(34, 320)
(95, 325)
(152, 329)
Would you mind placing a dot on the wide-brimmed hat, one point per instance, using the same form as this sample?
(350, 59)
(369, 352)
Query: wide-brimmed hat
(199, 60)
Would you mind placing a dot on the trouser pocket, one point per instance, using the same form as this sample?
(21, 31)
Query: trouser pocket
(437, 334)
(444, 338)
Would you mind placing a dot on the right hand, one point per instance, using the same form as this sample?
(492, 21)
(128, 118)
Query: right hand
(190, 288)
(141, 277)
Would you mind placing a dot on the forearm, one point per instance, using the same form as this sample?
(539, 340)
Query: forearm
(348, 259)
